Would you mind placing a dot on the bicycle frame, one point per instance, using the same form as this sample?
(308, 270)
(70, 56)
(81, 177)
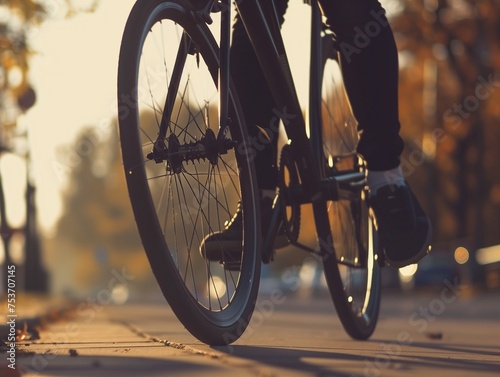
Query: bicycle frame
(267, 41)
(268, 45)
(184, 186)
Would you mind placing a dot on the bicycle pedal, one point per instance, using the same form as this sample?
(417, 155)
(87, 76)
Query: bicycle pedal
(232, 265)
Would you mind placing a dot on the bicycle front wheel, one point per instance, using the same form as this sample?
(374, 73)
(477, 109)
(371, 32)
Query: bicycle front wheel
(349, 241)
(183, 183)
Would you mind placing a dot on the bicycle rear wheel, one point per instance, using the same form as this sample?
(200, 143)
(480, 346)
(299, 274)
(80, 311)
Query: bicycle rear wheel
(182, 184)
(349, 241)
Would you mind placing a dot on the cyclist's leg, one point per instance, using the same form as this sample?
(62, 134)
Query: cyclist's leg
(257, 105)
(256, 99)
(370, 69)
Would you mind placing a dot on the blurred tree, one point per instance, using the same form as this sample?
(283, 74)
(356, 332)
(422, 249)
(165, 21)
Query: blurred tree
(16, 97)
(97, 231)
(19, 20)
(450, 60)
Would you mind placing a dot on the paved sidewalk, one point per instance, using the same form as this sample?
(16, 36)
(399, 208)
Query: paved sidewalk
(22, 316)
(61, 340)
(25, 314)
(106, 348)
(301, 338)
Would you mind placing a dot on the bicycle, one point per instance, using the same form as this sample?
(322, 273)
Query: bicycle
(189, 164)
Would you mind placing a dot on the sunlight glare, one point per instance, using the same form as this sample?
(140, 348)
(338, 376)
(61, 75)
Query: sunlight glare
(73, 71)
(13, 170)
(217, 287)
(461, 255)
(406, 273)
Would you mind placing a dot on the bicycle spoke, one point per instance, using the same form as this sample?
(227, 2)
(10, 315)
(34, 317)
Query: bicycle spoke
(353, 275)
(182, 189)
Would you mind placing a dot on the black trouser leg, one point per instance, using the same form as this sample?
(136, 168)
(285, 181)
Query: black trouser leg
(370, 69)
(256, 100)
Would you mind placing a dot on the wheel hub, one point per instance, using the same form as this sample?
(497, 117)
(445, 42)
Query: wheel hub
(175, 153)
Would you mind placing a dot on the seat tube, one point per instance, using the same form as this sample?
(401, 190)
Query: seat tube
(315, 82)
(225, 37)
(264, 34)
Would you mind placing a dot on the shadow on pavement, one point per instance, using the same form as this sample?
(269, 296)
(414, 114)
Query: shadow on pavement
(297, 360)
(465, 348)
(109, 366)
(451, 358)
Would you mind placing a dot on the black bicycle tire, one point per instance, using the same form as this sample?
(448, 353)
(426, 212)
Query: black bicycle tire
(214, 328)
(359, 327)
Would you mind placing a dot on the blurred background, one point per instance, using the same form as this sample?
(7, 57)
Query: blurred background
(65, 216)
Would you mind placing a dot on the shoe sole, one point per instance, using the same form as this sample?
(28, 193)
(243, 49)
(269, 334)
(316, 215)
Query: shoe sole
(426, 249)
(216, 253)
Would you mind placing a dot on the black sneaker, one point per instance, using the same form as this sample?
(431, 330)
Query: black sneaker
(404, 229)
(225, 246)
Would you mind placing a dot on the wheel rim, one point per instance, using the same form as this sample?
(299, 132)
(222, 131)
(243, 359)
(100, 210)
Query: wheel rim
(192, 197)
(353, 237)
(351, 224)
